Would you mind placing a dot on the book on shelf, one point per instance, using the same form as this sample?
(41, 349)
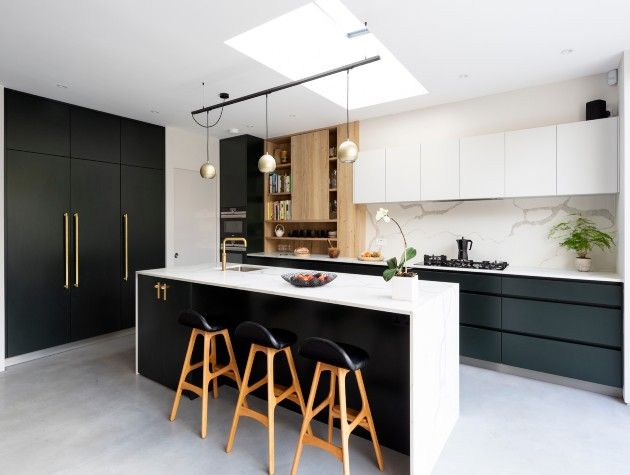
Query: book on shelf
(279, 183)
(279, 210)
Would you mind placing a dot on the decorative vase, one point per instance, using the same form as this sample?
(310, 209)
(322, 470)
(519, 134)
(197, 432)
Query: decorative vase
(583, 264)
(279, 230)
(405, 288)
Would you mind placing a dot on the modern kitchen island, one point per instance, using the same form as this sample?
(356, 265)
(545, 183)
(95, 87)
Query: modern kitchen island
(412, 378)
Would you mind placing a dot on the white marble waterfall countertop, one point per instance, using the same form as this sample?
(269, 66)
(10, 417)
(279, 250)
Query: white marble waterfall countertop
(510, 270)
(363, 291)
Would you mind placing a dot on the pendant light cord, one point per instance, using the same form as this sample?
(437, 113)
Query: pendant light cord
(267, 117)
(347, 104)
(203, 100)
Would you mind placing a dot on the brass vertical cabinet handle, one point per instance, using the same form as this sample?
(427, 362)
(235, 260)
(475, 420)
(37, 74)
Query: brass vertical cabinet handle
(76, 249)
(158, 286)
(126, 221)
(164, 287)
(66, 240)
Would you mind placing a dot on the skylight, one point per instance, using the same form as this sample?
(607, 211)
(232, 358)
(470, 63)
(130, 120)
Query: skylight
(313, 39)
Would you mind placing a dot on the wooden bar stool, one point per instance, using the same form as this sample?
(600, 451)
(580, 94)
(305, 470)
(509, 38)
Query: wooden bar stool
(211, 369)
(268, 341)
(338, 359)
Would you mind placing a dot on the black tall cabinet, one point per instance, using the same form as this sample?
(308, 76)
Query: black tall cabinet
(242, 183)
(84, 209)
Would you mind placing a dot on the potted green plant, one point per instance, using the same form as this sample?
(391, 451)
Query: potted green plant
(404, 283)
(581, 235)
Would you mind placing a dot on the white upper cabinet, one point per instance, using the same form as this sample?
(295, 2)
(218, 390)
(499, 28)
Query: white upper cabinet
(402, 173)
(587, 157)
(530, 162)
(482, 166)
(369, 176)
(439, 172)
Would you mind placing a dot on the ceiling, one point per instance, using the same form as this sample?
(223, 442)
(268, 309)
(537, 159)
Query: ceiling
(134, 57)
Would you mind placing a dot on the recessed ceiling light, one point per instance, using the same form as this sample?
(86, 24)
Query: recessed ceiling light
(319, 42)
(291, 115)
(567, 51)
(463, 76)
(62, 86)
(233, 130)
(154, 112)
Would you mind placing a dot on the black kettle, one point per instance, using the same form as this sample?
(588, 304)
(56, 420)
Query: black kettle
(463, 246)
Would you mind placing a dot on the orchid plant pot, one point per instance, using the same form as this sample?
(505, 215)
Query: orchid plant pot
(405, 288)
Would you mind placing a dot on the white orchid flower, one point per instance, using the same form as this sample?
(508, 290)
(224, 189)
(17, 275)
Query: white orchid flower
(382, 215)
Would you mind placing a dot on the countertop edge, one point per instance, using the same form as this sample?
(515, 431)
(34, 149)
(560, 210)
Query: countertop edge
(164, 273)
(543, 273)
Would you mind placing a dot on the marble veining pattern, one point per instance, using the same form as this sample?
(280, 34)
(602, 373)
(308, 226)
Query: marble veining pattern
(514, 230)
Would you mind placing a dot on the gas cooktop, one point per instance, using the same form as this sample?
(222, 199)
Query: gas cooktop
(443, 261)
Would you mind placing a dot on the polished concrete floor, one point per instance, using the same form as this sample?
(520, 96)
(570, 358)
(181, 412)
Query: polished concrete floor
(85, 411)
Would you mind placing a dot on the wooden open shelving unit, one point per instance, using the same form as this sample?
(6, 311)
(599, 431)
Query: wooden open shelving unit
(310, 161)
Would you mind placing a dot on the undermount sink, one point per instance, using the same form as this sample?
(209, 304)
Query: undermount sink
(243, 269)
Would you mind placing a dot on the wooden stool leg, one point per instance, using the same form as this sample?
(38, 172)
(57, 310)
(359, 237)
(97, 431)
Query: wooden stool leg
(345, 433)
(271, 408)
(296, 382)
(241, 399)
(182, 377)
(204, 390)
(213, 364)
(331, 405)
(307, 419)
(370, 421)
(232, 362)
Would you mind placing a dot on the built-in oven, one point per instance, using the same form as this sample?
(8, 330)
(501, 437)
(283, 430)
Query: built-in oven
(234, 224)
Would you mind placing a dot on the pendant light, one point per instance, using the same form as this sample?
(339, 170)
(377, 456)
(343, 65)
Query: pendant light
(348, 151)
(207, 170)
(266, 163)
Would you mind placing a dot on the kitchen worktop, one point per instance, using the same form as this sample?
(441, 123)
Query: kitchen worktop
(509, 271)
(362, 291)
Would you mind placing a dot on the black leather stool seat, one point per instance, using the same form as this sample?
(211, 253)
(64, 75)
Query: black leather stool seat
(276, 338)
(191, 318)
(341, 355)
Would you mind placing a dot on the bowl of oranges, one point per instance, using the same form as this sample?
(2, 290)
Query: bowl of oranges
(309, 279)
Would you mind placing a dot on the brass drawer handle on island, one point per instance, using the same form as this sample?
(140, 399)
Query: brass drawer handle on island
(76, 249)
(158, 287)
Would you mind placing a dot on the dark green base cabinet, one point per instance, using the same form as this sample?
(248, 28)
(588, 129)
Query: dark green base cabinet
(570, 328)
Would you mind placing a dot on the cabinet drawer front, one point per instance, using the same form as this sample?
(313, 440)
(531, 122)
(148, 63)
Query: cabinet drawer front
(578, 292)
(480, 344)
(589, 363)
(581, 323)
(482, 310)
(467, 282)
(36, 124)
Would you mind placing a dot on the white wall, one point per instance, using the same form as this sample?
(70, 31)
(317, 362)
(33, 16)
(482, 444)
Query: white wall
(512, 229)
(187, 151)
(2, 343)
(623, 261)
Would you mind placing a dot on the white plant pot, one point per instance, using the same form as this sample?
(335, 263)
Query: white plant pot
(405, 288)
(583, 264)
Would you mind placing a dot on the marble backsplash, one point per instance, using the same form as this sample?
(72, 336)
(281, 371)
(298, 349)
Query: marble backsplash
(514, 230)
